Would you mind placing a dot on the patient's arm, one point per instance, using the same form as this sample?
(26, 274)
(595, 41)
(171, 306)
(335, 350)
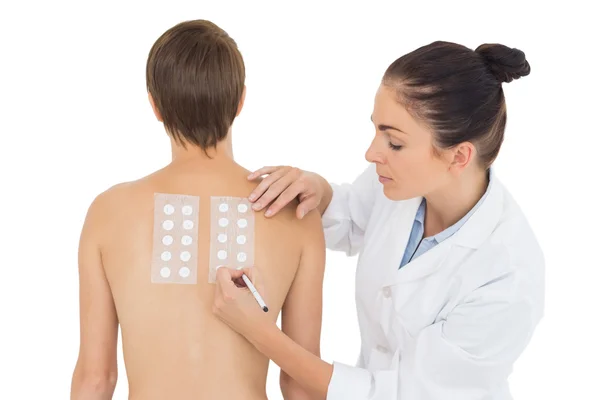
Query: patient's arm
(95, 374)
(302, 310)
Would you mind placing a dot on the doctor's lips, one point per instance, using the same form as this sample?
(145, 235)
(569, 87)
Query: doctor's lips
(384, 179)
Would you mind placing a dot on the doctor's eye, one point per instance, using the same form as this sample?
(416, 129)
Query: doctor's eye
(394, 147)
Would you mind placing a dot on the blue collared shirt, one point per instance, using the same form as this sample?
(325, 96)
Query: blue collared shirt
(414, 249)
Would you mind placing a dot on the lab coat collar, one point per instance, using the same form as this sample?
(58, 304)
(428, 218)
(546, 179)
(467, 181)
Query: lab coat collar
(484, 220)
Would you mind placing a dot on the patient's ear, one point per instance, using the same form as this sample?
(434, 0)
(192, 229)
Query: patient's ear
(156, 112)
(241, 104)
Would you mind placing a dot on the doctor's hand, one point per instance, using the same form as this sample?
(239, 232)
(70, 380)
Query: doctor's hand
(235, 305)
(284, 184)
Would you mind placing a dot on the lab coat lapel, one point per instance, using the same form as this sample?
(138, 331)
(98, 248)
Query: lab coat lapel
(422, 266)
(394, 236)
(395, 239)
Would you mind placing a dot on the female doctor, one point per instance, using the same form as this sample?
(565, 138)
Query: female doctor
(450, 277)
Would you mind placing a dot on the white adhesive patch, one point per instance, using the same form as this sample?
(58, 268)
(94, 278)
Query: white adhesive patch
(167, 240)
(232, 234)
(165, 272)
(169, 209)
(185, 256)
(175, 240)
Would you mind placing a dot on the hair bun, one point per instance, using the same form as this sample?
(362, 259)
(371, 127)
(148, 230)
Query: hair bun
(505, 63)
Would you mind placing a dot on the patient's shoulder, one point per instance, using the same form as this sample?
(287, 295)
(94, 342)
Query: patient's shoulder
(118, 202)
(116, 196)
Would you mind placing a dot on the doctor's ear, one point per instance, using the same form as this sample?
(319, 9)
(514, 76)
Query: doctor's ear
(156, 112)
(462, 155)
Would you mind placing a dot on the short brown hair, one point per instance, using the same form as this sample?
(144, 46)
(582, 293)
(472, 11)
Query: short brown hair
(195, 75)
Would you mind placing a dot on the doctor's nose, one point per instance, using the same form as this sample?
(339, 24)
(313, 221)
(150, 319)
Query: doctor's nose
(373, 155)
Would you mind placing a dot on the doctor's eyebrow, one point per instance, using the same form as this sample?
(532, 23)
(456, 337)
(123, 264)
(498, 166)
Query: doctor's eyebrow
(388, 127)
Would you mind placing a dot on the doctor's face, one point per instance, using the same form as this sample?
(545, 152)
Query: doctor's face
(403, 149)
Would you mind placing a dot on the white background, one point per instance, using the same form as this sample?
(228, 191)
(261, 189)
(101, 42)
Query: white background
(75, 120)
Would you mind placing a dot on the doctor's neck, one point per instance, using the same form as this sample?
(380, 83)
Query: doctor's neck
(449, 203)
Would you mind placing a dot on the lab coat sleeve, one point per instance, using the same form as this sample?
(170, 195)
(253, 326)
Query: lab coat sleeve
(468, 356)
(345, 219)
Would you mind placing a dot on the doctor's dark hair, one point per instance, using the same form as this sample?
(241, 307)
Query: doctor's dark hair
(457, 92)
(195, 75)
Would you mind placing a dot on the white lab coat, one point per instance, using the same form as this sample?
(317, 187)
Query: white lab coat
(448, 325)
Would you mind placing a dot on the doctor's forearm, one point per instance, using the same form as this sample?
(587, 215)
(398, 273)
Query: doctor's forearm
(300, 364)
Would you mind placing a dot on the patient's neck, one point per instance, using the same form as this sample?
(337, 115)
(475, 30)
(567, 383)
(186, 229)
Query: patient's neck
(194, 154)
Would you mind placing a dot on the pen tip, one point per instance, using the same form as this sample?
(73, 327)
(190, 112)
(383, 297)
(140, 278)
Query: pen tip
(265, 309)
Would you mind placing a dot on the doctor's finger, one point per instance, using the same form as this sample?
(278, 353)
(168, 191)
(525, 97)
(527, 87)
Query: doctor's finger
(249, 272)
(289, 194)
(306, 205)
(236, 277)
(287, 186)
(257, 194)
(277, 183)
(225, 285)
(255, 277)
(262, 171)
(219, 300)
